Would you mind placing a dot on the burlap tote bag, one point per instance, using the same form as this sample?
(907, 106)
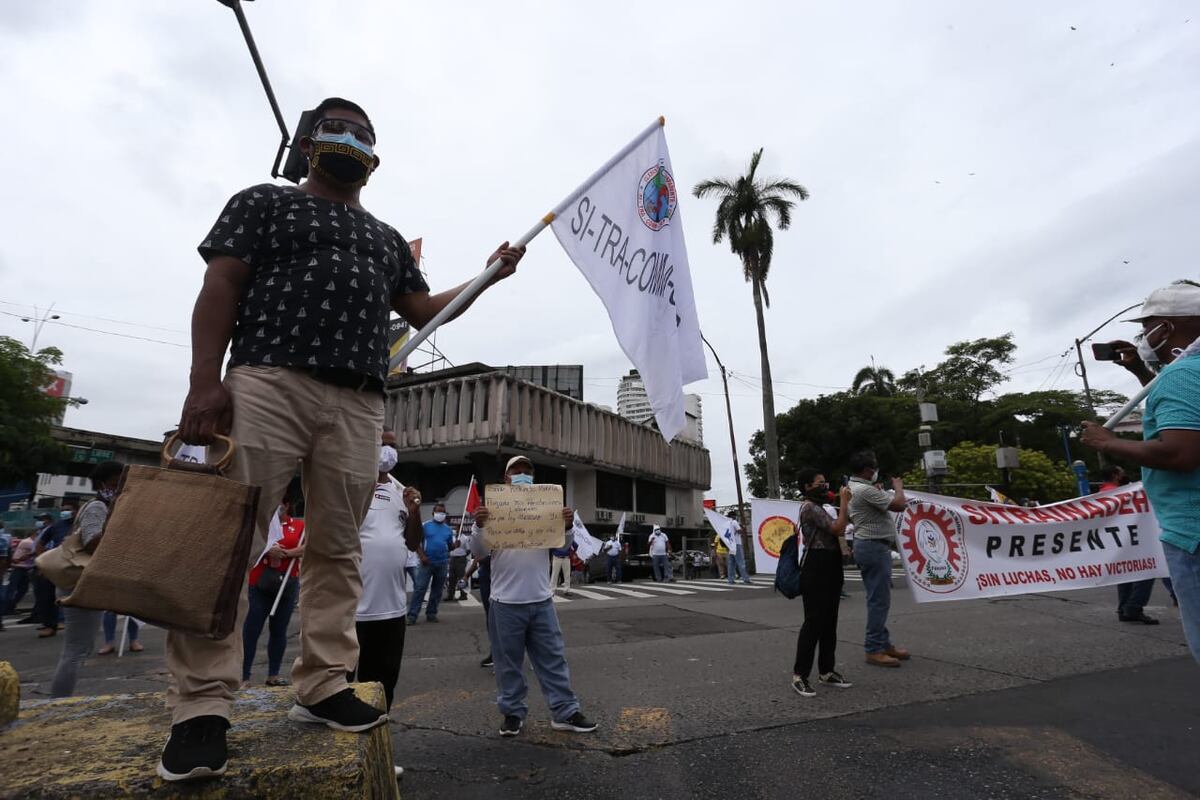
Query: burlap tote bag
(175, 548)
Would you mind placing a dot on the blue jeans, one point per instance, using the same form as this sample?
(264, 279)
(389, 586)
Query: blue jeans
(736, 561)
(874, 559)
(256, 617)
(1185, 580)
(110, 628)
(519, 628)
(430, 578)
(1133, 596)
(614, 566)
(662, 568)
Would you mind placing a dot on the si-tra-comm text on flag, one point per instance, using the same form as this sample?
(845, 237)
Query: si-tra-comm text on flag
(957, 549)
(586, 545)
(625, 235)
(725, 527)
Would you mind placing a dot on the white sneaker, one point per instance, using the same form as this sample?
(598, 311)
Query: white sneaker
(399, 771)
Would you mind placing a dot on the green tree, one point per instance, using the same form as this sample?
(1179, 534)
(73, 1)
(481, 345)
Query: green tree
(745, 211)
(1039, 477)
(824, 432)
(874, 380)
(971, 370)
(27, 413)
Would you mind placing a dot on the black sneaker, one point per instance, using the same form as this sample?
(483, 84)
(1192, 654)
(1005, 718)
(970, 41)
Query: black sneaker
(576, 722)
(487, 661)
(802, 687)
(196, 749)
(834, 679)
(342, 712)
(512, 725)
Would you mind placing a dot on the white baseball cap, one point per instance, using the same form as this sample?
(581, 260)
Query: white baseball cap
(1179, 299)
(517, 460)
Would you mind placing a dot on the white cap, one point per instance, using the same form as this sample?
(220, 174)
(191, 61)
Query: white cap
(517, 460)
(1179, 299)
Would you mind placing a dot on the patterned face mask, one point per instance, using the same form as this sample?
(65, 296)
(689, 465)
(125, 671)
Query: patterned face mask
(342, 157)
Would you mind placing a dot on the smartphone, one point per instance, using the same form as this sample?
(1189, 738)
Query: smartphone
(1103, 351)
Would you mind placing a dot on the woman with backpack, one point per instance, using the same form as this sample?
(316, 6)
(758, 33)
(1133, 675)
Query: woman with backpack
(821, 580)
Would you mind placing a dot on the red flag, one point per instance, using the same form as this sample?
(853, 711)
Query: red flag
(472, 498)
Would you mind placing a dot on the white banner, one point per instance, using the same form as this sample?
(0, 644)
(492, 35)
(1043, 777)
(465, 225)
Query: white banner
(957, 549)
(625, 235)
(771, 522)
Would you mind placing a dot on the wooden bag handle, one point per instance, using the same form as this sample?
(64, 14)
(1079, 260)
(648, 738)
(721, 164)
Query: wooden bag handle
(169, 460)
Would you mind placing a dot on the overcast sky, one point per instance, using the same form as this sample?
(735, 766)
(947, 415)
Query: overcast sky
(975, 168)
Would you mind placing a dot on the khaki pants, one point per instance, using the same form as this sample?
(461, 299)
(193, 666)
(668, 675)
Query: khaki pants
(281, 416)
(560, 566)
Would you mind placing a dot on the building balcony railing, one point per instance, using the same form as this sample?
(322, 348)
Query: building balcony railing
(494, 410)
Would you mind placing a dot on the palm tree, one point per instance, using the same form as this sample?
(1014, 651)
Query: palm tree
(746, 209)
(874, 380)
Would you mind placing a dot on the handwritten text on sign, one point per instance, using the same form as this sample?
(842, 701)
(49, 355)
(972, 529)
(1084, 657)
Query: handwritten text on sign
(524, 516)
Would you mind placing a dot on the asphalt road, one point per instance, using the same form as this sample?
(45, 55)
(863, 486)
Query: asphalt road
(1043, 696)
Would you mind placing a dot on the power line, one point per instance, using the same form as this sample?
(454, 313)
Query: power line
(97, 319)
(106, 333)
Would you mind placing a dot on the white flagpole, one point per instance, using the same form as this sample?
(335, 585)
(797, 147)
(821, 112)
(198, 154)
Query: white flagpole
(474, 287)
(1127, 409)
(287, 573)
(463, 519)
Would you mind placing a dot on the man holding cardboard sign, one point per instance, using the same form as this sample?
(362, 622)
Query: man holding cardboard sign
(518, 526)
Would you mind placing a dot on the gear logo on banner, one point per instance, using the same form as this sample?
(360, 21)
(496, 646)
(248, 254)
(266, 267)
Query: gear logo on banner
(773, 532)
(931, 538)
(656, 199)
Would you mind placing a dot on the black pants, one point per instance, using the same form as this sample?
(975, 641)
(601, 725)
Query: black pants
(458, 568)
(822, 587)
(45, 606)
(380, 649)
(1132, 597)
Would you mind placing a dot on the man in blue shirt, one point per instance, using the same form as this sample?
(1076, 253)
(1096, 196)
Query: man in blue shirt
(435, 563)
(1170, 453)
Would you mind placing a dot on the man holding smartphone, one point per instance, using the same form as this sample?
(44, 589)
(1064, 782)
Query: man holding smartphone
(1169, 454)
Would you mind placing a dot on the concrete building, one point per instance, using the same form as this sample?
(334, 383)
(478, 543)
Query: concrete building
(694, 417)
(465, 421)
(632, 402)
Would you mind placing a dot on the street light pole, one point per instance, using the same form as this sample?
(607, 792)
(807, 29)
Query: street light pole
(737, 475)
(39, 322)
(1081, 368)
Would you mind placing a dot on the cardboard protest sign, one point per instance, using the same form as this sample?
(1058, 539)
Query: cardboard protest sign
(524, 516)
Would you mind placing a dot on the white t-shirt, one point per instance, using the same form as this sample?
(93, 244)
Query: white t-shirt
(519, 576)
(658, 543)
(611, 548)
(384, 556)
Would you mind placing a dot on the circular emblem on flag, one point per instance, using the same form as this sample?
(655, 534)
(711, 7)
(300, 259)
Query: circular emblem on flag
(656, 199)
(773, 532)
(931, 540)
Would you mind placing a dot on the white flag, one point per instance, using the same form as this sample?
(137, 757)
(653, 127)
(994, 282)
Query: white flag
(194, 453)
(586, 544)
(274, 534)
(625, 235)
(621, 527)
(725, 527)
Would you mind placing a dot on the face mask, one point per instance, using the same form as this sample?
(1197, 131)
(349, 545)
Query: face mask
(106, 494)
(342, 157)
(387, 458)
(1149, 353)
(439, 516)
(522, 480)
(64, 514)
(819, 492)
(874, 476)
(39, 525)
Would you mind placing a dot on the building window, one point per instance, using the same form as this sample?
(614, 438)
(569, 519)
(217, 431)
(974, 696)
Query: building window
(651, 497)
(614, 491)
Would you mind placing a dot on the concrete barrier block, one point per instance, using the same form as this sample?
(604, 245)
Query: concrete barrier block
(107, 746)
(10, 693)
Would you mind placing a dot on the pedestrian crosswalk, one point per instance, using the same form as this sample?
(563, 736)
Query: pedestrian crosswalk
(646, 590)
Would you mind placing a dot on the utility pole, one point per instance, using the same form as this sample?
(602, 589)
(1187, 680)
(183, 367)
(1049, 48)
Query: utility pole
(1081, 369)
(737, 475)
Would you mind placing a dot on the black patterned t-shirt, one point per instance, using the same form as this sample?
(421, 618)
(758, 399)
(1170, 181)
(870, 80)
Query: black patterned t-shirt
(323, 282)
